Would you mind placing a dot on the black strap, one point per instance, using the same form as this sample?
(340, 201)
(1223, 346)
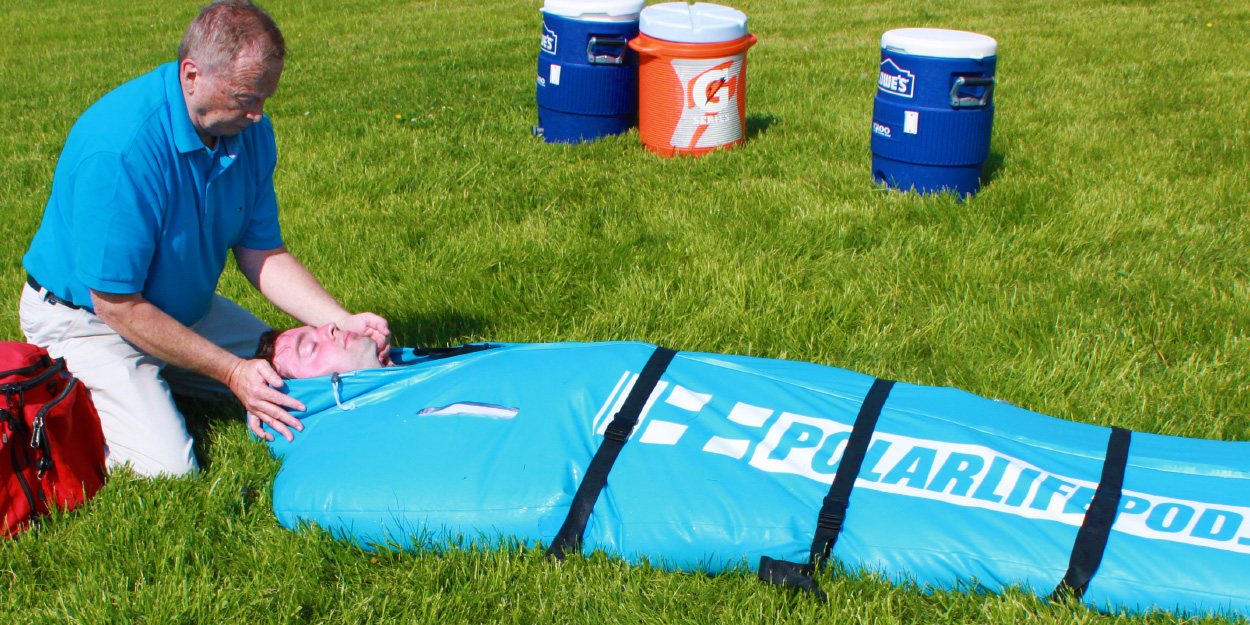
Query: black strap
(18, 433)
(44, 362)
(437, 353)
(18, 467)
(569, 538)
(1091, 539)
(790, 574)
(833, 510)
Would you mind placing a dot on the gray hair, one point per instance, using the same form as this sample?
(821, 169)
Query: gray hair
(225, 28)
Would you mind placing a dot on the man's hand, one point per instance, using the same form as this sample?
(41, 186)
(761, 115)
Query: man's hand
(374, 327)
(285, 281)
(155, 332)
(250, 381)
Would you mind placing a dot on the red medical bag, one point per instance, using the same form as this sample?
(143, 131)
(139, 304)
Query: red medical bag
(51, 446)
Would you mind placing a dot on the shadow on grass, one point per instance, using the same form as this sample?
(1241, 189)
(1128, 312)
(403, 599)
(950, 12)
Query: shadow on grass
(990, 170)
(435, 329)
(757, 124)
(202, 416)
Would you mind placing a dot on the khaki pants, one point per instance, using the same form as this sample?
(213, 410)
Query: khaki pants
(132, 390)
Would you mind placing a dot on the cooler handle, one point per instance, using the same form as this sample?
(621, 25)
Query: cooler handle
(969, 102)
(605, 59)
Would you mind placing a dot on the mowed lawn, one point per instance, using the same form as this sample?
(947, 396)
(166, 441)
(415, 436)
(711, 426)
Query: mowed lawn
(1101, 276)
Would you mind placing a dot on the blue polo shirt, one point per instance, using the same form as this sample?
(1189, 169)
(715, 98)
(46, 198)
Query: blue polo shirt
(140, 205)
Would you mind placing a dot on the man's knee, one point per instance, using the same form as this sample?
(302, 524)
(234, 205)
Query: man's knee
(142, 426)
(155, 460)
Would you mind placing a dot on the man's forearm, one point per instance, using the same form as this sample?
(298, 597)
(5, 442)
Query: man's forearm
(283, 280)
(254, 381)
(155, 332)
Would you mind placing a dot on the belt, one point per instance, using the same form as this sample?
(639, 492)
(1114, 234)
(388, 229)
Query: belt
(48, 296)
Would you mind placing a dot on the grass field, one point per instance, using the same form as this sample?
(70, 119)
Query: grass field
(1101, 275)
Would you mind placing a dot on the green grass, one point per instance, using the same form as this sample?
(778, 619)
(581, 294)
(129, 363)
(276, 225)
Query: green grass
(1101, 276)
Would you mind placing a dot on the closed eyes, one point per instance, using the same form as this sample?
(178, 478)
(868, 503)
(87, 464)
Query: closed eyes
(305, 347)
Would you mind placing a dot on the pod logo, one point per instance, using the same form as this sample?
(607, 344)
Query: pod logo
(967, 475)
(976, 476)
(896, 80)
(549, 40)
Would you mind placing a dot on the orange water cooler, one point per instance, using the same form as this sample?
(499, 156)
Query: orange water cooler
(692, 76)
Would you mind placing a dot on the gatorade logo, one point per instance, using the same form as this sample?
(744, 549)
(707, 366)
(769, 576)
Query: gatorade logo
(549, 40)
(712, 90)
(896, 80)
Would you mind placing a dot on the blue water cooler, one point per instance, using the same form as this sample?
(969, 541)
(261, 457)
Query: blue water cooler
(934, 110)
(587, 74)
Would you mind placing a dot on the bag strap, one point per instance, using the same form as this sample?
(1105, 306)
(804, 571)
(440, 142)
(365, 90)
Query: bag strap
(569, 538)
(18, 430)
(28, 370)
(1091, 539)
(46, 369)
(833, 510)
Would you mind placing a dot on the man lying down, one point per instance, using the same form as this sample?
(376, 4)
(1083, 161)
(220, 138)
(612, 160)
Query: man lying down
(308, 352)
(736, 461)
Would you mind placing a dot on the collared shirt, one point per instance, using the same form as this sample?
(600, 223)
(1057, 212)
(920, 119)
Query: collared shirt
(140, 205)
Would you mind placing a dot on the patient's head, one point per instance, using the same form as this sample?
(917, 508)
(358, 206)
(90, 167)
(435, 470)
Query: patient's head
(308, 352)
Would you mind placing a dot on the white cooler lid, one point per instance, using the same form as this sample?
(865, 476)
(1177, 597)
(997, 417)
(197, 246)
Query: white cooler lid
(940, 43)
(595, 10)
(701, 22)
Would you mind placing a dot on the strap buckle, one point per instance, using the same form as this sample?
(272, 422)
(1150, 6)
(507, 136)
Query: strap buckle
(791, 575)
(618, 432)
(831, 521)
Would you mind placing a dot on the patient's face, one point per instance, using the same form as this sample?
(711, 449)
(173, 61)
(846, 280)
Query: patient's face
(308, 352)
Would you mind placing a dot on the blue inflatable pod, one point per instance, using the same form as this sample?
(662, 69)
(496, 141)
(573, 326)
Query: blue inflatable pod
(731, 462)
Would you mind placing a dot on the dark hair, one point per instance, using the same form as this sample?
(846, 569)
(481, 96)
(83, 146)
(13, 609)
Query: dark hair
(264, 349)
(225, 28)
